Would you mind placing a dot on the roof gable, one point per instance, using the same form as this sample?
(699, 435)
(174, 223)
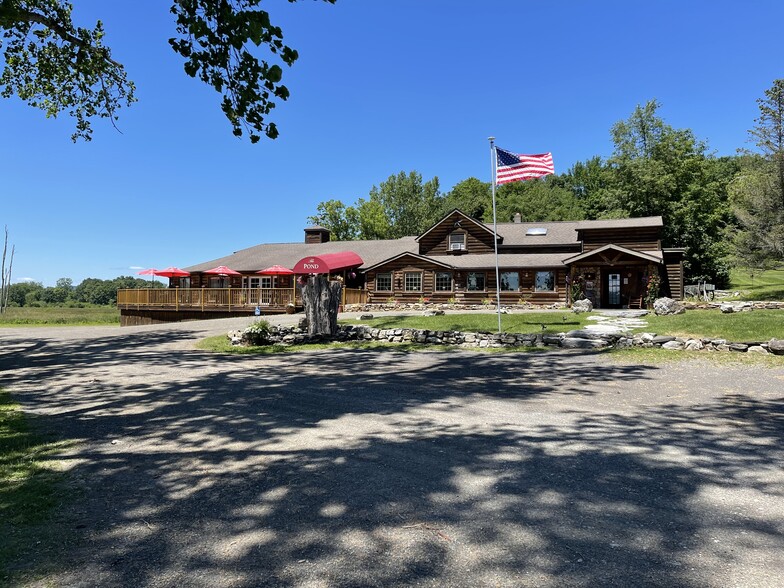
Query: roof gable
(457, 218)
(601, 251)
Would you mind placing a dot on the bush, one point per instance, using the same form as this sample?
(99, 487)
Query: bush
(258, 333)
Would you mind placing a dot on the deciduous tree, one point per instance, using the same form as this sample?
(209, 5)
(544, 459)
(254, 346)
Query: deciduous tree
(58, 66)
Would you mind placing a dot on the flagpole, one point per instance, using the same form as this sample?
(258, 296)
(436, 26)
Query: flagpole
(493, 165)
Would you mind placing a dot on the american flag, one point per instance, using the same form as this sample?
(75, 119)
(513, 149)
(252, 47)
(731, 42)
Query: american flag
(514, 168)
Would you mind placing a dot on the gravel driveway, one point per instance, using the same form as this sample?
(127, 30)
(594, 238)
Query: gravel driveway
(383, 468)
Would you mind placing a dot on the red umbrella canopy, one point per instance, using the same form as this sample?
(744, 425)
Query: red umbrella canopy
(172, 272)
(222, 270)
(276, 270)
(149, 272)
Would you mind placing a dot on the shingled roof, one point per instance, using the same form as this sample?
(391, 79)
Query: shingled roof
(287, 254)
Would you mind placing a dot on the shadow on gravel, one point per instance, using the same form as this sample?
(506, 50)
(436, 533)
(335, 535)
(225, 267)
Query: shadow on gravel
(373, 468)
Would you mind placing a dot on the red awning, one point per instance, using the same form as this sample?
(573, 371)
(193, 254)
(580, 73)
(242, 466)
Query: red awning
(327, 263)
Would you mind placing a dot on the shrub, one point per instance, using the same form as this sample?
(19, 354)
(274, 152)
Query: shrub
(258, 333)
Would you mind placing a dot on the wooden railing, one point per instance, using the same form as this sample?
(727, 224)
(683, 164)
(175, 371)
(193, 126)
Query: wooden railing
(206, 298)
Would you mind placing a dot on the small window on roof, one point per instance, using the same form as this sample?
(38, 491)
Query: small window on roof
(536, 231)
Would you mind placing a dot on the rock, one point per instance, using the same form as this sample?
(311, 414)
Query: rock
(664, 306)
(433, 313)
(579, 343)
(662, 339)
(579, 306)
(742, 347)
(727, 308)
(776, 346)
(674, 345)
(303, 323)
(693, 345)
(365, 317)
(757, 349)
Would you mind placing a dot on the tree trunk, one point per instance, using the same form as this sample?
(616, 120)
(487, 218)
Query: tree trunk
(321, 299)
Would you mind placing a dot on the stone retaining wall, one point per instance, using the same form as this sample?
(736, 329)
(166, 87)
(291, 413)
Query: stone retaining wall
(577, 339)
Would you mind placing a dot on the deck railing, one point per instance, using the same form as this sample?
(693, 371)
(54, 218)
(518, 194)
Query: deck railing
(206, 298)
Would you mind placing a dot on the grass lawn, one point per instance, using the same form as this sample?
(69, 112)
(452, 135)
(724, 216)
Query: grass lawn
(528, 322)
(55, 315)
(30, 492)
(766, 286)
(757, 325)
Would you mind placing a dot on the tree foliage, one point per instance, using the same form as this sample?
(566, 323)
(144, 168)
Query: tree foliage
(399, 206)
(757, 192)
(57, 66)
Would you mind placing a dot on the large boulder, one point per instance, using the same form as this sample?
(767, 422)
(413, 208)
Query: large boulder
(776, 346)
(579, 306)
(662, 306)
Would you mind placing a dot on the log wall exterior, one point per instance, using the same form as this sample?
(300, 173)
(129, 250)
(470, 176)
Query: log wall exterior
(459, 292)
(436, 242)
(673, 275)
(638, 238)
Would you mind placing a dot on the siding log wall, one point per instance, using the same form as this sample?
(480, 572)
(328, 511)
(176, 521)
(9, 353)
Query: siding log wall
(459, 292)
(639, 239)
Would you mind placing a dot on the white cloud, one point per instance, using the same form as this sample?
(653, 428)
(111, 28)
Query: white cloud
(25, 280)
(136, 267)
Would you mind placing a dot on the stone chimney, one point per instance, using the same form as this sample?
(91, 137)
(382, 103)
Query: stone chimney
(316, 234)
(518, 218)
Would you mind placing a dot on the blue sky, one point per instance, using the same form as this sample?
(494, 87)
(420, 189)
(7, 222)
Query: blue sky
(380, 87)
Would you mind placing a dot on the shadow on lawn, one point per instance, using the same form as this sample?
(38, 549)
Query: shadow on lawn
(377, 468)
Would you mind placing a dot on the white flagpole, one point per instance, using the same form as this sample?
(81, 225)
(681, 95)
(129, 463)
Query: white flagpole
(494, 164)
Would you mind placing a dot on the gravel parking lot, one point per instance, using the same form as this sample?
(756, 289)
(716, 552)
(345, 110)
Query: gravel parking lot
(352, 467)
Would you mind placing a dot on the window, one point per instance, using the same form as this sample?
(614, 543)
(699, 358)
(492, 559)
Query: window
(266, 282)
(185, 282)
(413, 281)
(475, 282)
(218, 282)
(510, 281)
(457, 242)
(443, 282)
(545, 282)
(384, 282)
(536, 232)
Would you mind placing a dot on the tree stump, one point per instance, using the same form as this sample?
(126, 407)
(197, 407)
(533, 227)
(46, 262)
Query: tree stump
(321, 299)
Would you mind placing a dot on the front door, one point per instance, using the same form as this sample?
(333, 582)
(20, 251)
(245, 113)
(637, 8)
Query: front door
(613, 289)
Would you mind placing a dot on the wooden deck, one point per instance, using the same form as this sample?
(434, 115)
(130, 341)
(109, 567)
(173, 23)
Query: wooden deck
(207, 298)
(219, 299)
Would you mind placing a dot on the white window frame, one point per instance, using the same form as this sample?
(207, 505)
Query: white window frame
(455, 244)
(451, 282)
(378, 275)
(536, 281)
(417, 276)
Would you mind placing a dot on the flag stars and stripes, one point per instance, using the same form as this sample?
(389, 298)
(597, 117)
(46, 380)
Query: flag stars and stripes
(514, 168)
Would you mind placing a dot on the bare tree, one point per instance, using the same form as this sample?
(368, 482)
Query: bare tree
(5, 275)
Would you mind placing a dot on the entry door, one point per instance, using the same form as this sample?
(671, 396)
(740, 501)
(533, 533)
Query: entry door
(613, 289)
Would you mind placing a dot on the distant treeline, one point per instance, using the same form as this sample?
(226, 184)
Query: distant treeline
(90, 291)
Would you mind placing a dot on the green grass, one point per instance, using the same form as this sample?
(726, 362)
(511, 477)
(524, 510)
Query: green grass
(528, 322)
(30, 492)
(756, 325)
(59, 316)
(766, 286)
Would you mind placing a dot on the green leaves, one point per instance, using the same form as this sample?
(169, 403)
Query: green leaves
(58, 67)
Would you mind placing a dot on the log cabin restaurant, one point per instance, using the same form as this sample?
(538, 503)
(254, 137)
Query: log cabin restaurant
(611, 262)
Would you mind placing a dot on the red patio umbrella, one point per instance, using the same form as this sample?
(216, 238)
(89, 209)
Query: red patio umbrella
(172, 272)
(276, 270)
(149, 272)
(222, 270)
